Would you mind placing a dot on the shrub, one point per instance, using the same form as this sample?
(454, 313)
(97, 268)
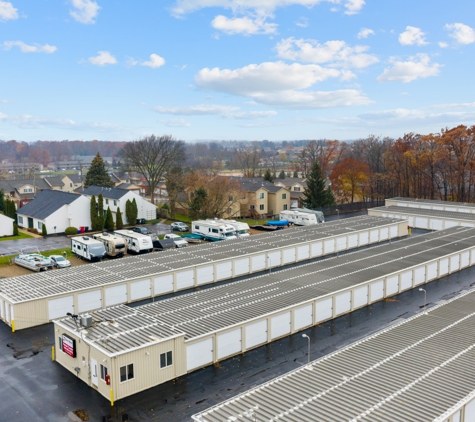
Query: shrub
(119, 223)
(71, 230)
(15, 229)
(44, 232)
(32, 230)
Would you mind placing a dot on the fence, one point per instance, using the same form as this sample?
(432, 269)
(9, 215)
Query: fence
(354, 207)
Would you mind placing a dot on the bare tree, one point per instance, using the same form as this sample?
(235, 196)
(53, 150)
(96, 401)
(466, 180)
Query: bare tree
(152, 156)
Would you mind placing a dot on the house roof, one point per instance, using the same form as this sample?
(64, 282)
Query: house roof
(256, 183)
(54, 181)
(128, 186)
(18, 183)
(46, 203)
(110, 193)
(75, 178)
(291, 181)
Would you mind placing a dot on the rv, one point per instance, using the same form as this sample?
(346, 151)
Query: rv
(213, 230)
(242, 229)
(318, 214)
(87, 248)
(115, 245)
(136, 242)
(298, 218)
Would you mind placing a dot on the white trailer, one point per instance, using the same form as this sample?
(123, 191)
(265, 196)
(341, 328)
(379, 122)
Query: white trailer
(298, 218)
(115, 245)
(213, 230)
(136, 242)
(318, 214)
(242, 229)
(87, 248)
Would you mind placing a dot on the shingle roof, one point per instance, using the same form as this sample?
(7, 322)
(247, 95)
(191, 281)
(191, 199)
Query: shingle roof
(110, 193)
(75, 178)
(47, 202)
(54, 181)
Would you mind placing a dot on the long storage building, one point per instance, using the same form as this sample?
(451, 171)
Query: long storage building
(36, 299)
(420, 370)
(144, 346)
(431, 204)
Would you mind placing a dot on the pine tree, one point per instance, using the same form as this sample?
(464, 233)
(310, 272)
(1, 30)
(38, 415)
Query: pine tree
(109, 224)
(129, 212)
(315, 195)
(100, 212)
(10, 209)
(282, 174)
(15, 229)
(268, 176)
(134, 210)
(2, 201)
(118, 220)
(93, 212)
(44, 232)
(97, 174)
(197, 203)
(296, 173)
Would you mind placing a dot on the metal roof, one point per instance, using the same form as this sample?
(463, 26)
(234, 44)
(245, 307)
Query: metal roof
(426, 212)
(419, 370)
(432, 201)
(50, 283)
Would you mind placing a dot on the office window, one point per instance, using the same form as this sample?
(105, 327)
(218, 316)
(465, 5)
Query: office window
(261, 195)
(166, 359)
(285, 207)
(126, 372)
(104, 372)
(284, 196)
(261, 207)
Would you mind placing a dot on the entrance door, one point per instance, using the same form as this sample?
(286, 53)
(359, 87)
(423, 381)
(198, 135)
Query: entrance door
(94, 377)
(30, 223)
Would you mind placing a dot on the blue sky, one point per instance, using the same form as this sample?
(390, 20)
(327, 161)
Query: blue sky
(234, 69)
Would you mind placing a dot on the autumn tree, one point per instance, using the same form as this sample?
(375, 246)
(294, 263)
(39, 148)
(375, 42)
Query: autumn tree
(349, 178)
(248, 161)
(97, 174)
(175, 181)
(315, 194)
(197, 204)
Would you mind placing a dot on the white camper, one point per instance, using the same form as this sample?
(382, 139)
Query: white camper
(318, 214)
(298, 218)
(136, 242)
(88, 248)
(213, 230)
(115, 245)
(242, 229)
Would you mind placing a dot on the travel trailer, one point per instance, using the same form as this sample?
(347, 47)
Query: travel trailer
(213, 230)
(298, 218)
(318, 214)
(87, 248)
(242, 229)
(136, 242)
(115, 245)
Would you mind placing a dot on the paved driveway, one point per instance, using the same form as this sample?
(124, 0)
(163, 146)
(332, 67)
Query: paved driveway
(10, 247)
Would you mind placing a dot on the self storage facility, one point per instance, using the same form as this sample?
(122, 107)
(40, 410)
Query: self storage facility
(431, 204)
(200, 328)
(39, 298)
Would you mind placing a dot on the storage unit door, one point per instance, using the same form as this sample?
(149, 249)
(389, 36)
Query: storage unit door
(360, 297)
(352, 241)
(199, 354)
(392, 285)
(341, 243)
(438, 208)
(59, 307)
(450, 223)
(274, 259)
(406, 280)
(116, 294)
(89, 301)
(377, 290)
(303, 317)
(466, 224)
(424, 207)
(343, 303)
(452, 209)
(469, 412)
(256, 334)
(443, 266)
(140, 289)
(364, 238)
(280, 325)
(241, 266)
(465, 259)
(205, 274)
(393, 232)
(224, 270)
(419, 275)
(303, 252)
(258, 263)
(163, 284)
(435, 224)
(229, 343)
(324, 310)
(317, 249)
(329, 246)
(374, 236)
(289, 255)
(2, 312)
(411, 221)
(454, 263)
(432, 271)
(383, 233)
(185, 279)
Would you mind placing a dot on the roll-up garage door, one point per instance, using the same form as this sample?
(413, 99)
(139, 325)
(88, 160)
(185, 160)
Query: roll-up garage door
(443, 266)
(205, 274)
(199, 354)
(454, 263)
(352, 241)
(424, 207)
(280, 325)
(89, 300)
(2, 313)
(384, 233)
(436, 207)
(342, 303)
(303, 317)
(360, 297)
(364, 238)
(59, 307)
(258, 263)
(140, 289)
(406, 280)
(393, 232)
(431, 271)
(465, 259)
(241, 266)
(464, 210)
(451, 209)
(317, 249)
(163, 284)
(224, 270)
(329, 246)
(401, 204)
(116, 295)
(411, 221)
(374, 236)
(450, 223)
(256, 334)
(289, 255)
(324, 310)
(229, 343)
(341, 243)
(435, 224)
(377, 290)
(274, 259)
(419, 275)
(392, 285)
(303, 252)
(185, 279)
(470, 412)
(466, 224)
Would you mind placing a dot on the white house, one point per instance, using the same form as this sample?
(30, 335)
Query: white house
(6, 225)
(115, 198)
(57, 210)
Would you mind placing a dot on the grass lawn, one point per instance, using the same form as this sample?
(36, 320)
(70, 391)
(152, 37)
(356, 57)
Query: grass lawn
(5, 260)
(20, 236)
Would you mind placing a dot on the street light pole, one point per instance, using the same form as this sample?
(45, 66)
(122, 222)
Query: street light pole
(308, 338)
(338, 213)
(425, 296)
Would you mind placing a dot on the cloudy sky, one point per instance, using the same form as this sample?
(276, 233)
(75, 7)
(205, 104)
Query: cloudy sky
(234, 69)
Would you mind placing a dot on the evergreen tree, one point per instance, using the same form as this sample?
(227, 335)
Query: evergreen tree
(2, 201)
(10, 209)
(134, 210)
(93, 211)
(268, 176)
(15, 229)
(109, 224)
(118, 220)
(97, 174)
(43, 230)
(315, 195)
(197, 203)
(296, 173)
(100, 213)
(129, 212)
(282, 174)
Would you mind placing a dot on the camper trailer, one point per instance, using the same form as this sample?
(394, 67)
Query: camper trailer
(318, 214)
(242, 229)
(213, 230)
(136, 242)
(87, 248)
(298, 218)
(115, 245)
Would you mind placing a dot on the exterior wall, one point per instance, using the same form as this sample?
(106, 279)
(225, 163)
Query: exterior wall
(76, 214)
(69, 185)
(6, 225)
(277, 202)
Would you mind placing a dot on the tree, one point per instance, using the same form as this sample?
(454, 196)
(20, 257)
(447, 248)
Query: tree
(43, 230)
(97, 174)
(315, 195)
(2, 201)
(10, 209)
(349, 178)
(247, 160)
(109, 223)
(268, 176)
(118, 220)
(152, 157)
(15, 229)
(131, 211)
(282, 175)
(197, 204)
(175, 181)
(100, 212)
(93, 213)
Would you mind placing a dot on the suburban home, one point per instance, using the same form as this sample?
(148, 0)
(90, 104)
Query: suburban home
(296, 187)
(6, 225)
(129, 186)
(56, 210)
(71, 182)
(160, 190)
(54, 182)
(119, 177)
(22, 191)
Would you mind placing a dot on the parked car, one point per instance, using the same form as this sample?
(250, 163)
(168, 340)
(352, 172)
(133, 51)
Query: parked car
(59, 261)
(179, 226)
(179, 241)
(142, 230)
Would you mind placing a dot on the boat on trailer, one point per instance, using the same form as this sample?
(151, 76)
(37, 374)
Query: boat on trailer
(33, 261)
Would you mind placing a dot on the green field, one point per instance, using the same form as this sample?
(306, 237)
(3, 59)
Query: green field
(20, 236)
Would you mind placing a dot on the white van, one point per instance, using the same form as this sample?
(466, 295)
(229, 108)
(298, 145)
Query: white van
(213, 230)
(242, 229)
(298, 218)
(136, 242)
(115, 245)
(318, 214)
(87, 248)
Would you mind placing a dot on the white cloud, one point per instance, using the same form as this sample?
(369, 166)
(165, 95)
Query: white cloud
(197, 110)
(412, 36)
(155, 61)
(443, 44)
(302, 23)
(85, 11)
(337, 53)
(4, 101)
(7, 11)
(252, 115)
(26, 48)
(354, 6)
(103, 58)
(365, 32)
(175, 123)
(415, 68)
(461, 33)
(245, 25)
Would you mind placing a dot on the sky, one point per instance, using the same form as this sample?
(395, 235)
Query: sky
(203, 70)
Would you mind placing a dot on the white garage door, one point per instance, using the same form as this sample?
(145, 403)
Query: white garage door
(419, 275)
(89, 300)
(140, 289)
(454, 263)
(392, 285)
(303, 317)
(59, 307)
(224, 270)
(411, 221)
(289, 255)
(258, 263)
(374, 236)
(466, 224)
(329, 246)
(406, 280)
(353, 241)
(324, 310)
(452, 209)
(241, 266)
(465, 259)
(342, 303)
(229, 343)
(443, 266)
(185, 279)
(435, 224)
(199, 354)
(274, 259)
(384, 233)
(163, 284)
(303, 252)
(431, 271)
(280, 325)
(450, 223)
(2, 314)
(116, 295)
(205, 274)
(470, 412)
(377, 290)
(341, 243)
(437, 207)
(393, 232)
(360, 297)
(256, 334)
(364, 238)
(317, 249)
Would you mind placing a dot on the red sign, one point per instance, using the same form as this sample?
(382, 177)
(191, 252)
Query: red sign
(69, 346)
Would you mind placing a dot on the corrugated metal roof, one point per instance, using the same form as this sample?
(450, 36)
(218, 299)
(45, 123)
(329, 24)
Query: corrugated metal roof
(432, 201)
(426, 212)
(415, 371)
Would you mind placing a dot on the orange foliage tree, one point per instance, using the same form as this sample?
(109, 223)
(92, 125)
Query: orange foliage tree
(349, 179)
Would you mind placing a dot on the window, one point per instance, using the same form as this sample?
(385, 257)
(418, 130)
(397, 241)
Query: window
(261, 195)
(296, 188)
(166, 359)
(252, 207)
(214, 230)
(20, 220)
(261, 207)
(40, 225)
(27, 190)
(115, 203)
(197, 227)
(285, 207)
(70, 185)
(126, 372)
(230, 199)
(229, 211)
(107, 202)
(60, 343)
(104, 372)
(284, 196)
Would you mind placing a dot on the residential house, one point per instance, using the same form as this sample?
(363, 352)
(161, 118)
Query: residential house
(129, 186)
(296, 187)
(71, 182)
(119, 177)
(159, 192)
(54, 182)
(21, 191)
(6, 225)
